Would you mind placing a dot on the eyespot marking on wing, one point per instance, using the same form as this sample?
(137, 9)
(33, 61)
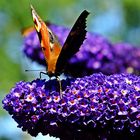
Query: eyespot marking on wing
(37, 20)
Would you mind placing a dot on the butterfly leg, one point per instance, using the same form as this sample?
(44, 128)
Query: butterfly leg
(60, 85)
(41, 74)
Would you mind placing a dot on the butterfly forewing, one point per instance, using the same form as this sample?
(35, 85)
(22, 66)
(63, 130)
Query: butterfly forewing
(49, 44)
(73, 42)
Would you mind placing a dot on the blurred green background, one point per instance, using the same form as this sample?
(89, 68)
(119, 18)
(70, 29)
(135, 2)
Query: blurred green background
(117, 20)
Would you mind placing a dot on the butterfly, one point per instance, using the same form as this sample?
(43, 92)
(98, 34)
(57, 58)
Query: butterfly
(57, 56)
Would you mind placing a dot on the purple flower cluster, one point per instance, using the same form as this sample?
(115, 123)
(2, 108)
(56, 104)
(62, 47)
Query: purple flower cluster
(127, 57)
(96, 54)
(92, 107)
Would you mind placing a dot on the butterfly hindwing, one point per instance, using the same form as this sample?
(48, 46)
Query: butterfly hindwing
(73, 42)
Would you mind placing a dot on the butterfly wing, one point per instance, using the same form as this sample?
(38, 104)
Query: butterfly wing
(73, 42)
(49, 43)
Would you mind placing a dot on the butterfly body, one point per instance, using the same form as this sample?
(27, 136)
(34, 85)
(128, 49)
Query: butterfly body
(53, 60)
(57, 56)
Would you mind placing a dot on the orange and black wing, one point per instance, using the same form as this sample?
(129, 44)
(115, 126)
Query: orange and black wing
(73, 42)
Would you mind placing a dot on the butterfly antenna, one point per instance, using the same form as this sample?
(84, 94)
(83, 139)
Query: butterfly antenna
(33, 70)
